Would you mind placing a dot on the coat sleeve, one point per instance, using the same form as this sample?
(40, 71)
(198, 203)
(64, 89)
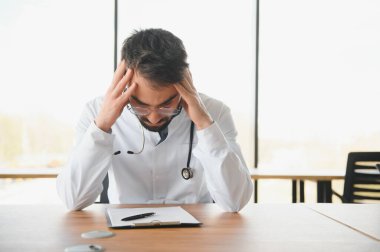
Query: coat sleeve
(227, 176)
(80, 182)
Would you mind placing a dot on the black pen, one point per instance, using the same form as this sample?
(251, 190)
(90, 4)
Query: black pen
(137, 216)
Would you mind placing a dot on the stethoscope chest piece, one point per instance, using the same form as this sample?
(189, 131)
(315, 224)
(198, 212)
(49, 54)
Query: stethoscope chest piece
(187, 173)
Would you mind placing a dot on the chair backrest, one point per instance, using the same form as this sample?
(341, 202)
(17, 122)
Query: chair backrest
(104, 193)
(362, 180)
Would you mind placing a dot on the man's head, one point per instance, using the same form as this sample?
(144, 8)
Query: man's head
(158, 59)
(157, 55)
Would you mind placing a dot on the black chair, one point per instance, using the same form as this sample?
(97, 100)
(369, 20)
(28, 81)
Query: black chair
(362, 179)
(104, 194)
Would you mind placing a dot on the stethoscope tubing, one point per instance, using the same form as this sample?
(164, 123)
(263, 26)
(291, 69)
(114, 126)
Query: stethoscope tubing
(187, 172)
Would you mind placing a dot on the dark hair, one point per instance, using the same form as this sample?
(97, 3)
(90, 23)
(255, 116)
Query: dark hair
(156, 54)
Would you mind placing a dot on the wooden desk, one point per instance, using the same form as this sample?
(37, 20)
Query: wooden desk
(366, 217)
(323, 179)
(266, 227)
(29, 172)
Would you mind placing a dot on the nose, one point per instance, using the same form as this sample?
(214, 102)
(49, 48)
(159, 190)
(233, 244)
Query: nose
(154, 117)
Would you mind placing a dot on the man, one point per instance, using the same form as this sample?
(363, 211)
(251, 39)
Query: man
(150, 150)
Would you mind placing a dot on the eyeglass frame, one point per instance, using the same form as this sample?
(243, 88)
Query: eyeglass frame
(150, 109)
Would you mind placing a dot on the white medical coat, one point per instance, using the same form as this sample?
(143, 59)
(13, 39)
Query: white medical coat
(154, 176)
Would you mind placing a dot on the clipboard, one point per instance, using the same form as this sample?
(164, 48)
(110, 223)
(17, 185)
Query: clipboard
(163, 217)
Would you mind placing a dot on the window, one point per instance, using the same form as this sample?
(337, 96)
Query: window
(319, 82)
(219, 39)
(55, 56)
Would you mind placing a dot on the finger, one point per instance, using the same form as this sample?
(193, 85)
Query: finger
(123, 83)
(128, 93)
(187, 82)
(188, 74)
(182, 91)
(187, 86)
(119, 73)
(184, 95)
(120, 70)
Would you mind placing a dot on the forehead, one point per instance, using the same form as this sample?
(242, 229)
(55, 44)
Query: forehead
(150, 92)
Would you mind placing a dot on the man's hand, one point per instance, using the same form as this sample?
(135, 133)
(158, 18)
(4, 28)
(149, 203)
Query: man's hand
(115, 99)
(193, 103)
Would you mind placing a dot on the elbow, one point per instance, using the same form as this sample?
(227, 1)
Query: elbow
(246, 195)
(75, 203)
(231, 207)
(72, 201)
(73, 206)
(238, 198)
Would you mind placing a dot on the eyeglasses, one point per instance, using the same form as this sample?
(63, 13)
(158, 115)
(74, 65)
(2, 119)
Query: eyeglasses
(163, 111)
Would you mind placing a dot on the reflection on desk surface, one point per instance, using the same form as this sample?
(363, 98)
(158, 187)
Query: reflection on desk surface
(362, 217)
(258, 227)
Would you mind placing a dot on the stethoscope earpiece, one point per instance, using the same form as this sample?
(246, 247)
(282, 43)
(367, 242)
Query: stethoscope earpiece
(187, 173)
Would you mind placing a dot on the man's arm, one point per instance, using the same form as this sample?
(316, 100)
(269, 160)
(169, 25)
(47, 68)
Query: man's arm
(80, 182)
(227, 175)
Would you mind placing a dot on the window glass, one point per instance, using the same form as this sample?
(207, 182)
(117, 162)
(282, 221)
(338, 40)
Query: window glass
(219, 39)
(55, 56)
(319, 82)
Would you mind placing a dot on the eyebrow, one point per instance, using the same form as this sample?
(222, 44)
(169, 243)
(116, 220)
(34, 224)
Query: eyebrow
(161, 104)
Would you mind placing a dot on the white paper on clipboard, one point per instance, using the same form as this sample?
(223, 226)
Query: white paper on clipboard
(164, 216)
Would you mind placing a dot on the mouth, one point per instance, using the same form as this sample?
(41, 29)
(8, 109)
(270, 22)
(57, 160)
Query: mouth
(158, 124)
(155, 127)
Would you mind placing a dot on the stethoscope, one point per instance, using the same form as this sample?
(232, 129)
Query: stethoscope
(187, 172)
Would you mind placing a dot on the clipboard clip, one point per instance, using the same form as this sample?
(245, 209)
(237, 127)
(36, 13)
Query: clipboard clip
(154, 223)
